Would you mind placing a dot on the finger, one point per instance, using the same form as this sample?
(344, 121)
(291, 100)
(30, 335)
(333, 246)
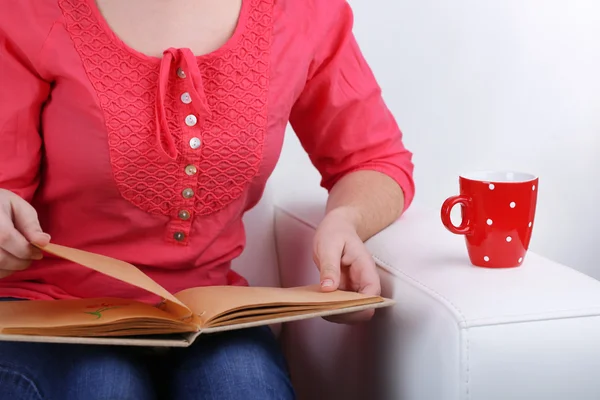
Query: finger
(363, 271)
(13, 242)
(26, 222)
(10, 263)
(345, 279)
(369, 282)
(328, 255)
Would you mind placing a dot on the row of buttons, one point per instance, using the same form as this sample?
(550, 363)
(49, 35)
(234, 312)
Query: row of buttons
(190, 170)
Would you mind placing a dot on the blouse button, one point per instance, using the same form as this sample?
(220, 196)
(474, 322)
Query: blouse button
(184, 215)
(180, 73)
(191, 170)
(195, 143)
(179, 236)
(187, 193)
(186, 98)
(191, 120)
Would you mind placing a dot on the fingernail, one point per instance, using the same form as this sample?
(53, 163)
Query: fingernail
(327, 283)
(37, 256)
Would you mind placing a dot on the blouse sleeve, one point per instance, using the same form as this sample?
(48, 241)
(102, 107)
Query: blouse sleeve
(22, 95)
(340, 117)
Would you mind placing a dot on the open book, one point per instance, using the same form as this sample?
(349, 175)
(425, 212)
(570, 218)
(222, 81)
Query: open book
(176, 321)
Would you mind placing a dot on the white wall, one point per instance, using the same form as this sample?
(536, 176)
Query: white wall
(511, 84)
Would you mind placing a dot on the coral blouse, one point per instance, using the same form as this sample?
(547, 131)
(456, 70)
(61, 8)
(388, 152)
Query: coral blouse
(155, 160)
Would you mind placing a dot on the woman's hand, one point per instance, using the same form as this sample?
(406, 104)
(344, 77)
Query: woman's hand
(344, 262)
(19, 226)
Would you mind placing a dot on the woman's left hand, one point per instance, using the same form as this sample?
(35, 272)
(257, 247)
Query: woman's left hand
(344, 262)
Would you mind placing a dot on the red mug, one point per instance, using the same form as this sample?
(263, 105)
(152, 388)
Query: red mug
(498, 210)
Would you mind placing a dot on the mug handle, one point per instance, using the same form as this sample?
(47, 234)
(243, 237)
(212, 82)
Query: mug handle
(465, 225)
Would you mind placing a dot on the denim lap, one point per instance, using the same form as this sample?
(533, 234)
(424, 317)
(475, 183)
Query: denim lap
(245, 364)
(38, 371)
(16, 385)
(231, 365)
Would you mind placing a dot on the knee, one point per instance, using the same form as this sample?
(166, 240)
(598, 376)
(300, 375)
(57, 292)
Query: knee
(235, 377)
(108, 378)
(244, 365)
(31, 371)
(16, 385)
(254, 376)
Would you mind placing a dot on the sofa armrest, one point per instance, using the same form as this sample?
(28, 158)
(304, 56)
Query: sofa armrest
(457, 332)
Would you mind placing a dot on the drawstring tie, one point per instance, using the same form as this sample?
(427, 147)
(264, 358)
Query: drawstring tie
(185, 60)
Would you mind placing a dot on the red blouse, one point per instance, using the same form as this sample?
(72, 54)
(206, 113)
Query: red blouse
(155, 160)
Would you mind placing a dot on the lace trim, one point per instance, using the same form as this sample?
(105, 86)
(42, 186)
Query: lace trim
(235, 82)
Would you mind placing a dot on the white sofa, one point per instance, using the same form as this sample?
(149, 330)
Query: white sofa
(457, 332)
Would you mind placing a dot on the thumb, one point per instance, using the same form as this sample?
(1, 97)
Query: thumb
(328, 257)
(26, 222)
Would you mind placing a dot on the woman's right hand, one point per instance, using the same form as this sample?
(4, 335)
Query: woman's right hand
(19, 227)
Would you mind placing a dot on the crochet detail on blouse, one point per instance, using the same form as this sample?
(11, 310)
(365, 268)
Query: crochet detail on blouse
(235, 83)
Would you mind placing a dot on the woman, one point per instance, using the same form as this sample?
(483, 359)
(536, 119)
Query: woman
(143, 130)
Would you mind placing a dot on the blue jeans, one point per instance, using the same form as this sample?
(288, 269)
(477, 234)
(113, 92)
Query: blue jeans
(245, 364)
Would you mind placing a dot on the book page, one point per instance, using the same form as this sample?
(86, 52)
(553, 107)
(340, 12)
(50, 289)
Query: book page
(291, 316)
(84, 317)
(213, 301)
(122, 271)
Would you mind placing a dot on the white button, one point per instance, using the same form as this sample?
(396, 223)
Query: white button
(187, 193)
(180, 73)
(186, 98)
(195, 143)
(191, 170)
(191, 120)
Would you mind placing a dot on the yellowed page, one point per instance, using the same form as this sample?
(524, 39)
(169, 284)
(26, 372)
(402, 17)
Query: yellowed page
(212, 301)
(292, 314)
(83, 317)
(122, 271)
